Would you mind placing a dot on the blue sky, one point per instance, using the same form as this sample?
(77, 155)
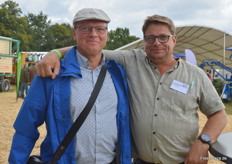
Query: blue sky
(131, 14)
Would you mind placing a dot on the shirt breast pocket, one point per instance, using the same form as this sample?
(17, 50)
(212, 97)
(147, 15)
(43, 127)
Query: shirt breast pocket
(185, 102)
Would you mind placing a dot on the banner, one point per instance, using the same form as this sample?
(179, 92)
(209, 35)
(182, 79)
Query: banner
(190, 57)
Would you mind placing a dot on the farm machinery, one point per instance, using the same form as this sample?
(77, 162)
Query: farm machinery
(226, 93)
(10, 61)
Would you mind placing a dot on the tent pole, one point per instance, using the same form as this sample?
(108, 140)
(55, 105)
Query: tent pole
(224, 53)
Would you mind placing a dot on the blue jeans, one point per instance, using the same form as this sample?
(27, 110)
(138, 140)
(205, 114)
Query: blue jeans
(24, 87)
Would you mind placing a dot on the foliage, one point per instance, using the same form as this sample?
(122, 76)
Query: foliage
(38, 26)
(118, 38)
(12, 24)
(228, 106)
(62, 35)
(36, 32)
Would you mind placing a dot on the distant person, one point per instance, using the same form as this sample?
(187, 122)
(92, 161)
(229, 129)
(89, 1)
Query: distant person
(32, 72)
(209, 74)
(165, 94)
(104, 137)
(24, 79)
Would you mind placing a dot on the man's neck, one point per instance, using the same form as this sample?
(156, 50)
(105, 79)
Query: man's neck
(165, 65)
(94, 57)
(95, 61)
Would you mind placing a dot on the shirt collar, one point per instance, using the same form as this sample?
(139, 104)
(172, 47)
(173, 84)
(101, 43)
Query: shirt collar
(179, 60)
(83, 61)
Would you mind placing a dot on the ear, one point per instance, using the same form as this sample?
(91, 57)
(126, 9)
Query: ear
(174, 39)
(74, 33)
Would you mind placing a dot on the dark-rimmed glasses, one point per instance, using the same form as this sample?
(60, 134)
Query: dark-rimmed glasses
(87, 29)
(161, 38)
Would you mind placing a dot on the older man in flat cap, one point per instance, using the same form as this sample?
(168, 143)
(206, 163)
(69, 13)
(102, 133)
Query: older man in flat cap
(104, 137)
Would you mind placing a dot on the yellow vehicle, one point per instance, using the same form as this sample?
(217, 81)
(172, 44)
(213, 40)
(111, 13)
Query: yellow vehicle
(12, 60)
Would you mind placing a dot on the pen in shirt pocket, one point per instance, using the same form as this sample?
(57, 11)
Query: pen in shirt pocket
(191, 84)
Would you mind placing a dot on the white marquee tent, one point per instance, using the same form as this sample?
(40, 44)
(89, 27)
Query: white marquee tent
(205, 42)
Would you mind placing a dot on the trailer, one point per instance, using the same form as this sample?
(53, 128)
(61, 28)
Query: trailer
(10, 62)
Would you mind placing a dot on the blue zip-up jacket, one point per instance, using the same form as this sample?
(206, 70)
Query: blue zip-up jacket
(48, 101)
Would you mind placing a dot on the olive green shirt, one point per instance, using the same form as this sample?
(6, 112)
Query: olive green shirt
(164, 121)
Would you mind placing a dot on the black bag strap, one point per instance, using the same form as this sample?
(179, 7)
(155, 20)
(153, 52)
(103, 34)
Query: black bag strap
(81, 118)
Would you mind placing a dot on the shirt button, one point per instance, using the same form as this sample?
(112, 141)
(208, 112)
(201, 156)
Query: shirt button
(158, 98)
(154, 149)
(153, 132)
(155, 115)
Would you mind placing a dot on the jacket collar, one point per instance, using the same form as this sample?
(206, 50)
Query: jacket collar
(69, 65)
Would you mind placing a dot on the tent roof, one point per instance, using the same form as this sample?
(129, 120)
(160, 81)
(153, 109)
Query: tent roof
(205, 42)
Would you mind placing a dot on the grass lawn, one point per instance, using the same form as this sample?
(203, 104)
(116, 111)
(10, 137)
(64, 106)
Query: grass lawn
(228, 106)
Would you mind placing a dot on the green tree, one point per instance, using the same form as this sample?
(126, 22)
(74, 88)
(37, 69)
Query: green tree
(63, 35)
(118, 38)
(38, 29)
(37, 34)
(49, 40)
(12, 24)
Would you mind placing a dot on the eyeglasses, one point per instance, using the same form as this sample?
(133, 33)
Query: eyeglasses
(151, 38)
(87, 29)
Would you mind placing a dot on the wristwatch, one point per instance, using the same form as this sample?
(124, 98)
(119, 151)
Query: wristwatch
(205, 138)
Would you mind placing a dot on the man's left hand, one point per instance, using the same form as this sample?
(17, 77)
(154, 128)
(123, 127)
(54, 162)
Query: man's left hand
(198, 154)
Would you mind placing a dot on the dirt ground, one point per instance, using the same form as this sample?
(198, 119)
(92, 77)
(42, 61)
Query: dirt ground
(9, 108)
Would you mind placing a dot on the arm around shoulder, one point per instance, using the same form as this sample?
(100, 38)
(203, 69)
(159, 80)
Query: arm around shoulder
(50, 64)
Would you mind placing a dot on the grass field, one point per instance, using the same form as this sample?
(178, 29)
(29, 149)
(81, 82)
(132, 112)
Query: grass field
(228, 108)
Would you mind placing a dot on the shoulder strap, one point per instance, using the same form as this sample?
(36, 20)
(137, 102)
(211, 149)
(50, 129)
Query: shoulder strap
(81, 118)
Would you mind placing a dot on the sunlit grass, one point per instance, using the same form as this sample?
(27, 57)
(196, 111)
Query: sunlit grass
(228, 106)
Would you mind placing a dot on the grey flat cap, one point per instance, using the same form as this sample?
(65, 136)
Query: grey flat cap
(91, 13)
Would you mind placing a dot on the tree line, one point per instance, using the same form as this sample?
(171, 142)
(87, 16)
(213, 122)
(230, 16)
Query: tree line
(37, 33)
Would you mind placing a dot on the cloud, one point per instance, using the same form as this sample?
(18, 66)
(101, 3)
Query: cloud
(131, 14)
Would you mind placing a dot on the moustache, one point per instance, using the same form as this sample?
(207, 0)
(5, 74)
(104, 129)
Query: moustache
(158, 48)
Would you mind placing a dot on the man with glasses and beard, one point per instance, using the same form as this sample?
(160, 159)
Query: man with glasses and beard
(165, 94)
